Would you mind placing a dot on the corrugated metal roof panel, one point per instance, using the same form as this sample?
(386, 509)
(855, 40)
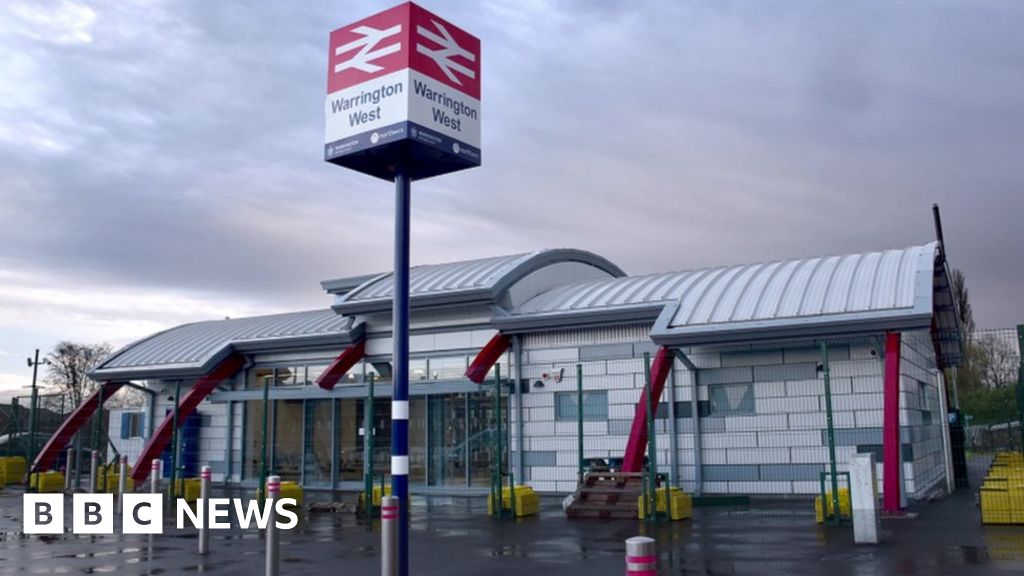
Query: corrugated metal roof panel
(469, 279)
(798, 292)
(193, 346)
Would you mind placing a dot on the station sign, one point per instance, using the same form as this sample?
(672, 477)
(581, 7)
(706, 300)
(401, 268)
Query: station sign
(403, 93)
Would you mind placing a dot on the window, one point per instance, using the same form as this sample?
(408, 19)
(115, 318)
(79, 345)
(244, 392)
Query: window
(731, 399)
(595, 405)
(448, 368)
(922, 395)
(132, 424)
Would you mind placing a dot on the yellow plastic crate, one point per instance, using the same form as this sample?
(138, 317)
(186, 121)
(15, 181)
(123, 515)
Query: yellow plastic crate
(376, 496)
(187, 488)
(13, 469)
(527, 501)
(845, 509)
(47, 482)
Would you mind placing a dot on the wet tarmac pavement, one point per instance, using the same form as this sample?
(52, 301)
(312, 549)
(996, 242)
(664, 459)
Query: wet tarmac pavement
(453, 536)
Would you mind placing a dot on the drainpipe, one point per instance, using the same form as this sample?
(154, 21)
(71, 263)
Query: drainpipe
(698, 456)
(520, 455)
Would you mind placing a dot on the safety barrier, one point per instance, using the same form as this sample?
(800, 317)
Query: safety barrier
(672, 501)
(12, 469)
(526, 502)
(47, 482)
(1002, 493)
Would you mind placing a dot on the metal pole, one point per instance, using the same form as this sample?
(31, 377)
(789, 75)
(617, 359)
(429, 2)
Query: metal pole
(122, 483)
(32, 422)
(78, 460)
(263, 442)
(641, 557)
(400, 397)
(369, 448)
(1020, 384)
(204, 498)
(92, 470)
(389, 514)
(99, 420)
(174, 444)
(837, 514)
(498, 441)
(273, 491)
(652, 447)
(673, 435)
(67, 469)
(518, 358)
(154, 475)
(579, 423)
(14, 421)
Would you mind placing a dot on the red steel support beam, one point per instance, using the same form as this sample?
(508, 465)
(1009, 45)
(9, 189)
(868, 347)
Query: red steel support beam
(73, 423)
(636, 446)
(891, 464)
(162, 435)
(342, 364)
(487, 357)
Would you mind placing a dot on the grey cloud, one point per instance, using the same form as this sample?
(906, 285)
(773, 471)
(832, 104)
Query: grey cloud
(664, 136)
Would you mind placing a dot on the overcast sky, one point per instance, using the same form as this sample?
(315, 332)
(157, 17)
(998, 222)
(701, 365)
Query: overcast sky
(161, 162)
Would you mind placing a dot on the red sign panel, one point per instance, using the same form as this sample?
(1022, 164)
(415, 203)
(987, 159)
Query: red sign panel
(445, 52)
(369, 48)
(406, 36)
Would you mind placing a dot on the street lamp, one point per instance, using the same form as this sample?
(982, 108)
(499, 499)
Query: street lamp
(34, 365)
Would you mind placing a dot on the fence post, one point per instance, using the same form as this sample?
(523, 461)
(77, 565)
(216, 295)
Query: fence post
(92, 470)
(641, 558)
(389, 535)
(651, 502)
(273, 491)
(154, 475)
(1020, 384)
(67, 469)
(204, 498)
(579, 423)
(122, 483)
(368, 450)
(826, 374)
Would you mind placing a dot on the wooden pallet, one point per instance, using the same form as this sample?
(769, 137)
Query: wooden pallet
(607, 495)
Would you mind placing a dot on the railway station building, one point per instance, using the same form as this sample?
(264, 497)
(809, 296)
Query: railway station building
(734, 354)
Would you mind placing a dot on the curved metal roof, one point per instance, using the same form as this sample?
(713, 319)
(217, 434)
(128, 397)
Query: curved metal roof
(193, 349)
(893, 288)
(463, 282)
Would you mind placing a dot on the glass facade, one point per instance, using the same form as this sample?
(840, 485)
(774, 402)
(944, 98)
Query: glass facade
(320, 441)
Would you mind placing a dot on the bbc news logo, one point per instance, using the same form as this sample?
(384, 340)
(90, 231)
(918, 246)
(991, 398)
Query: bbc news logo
(144, 513)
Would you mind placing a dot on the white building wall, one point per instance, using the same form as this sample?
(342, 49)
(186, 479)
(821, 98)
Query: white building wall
(780, 448)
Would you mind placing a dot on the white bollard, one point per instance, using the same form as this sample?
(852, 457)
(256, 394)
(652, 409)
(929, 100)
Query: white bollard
(93, 463)
(122, 483)
(389, 535)
(273, 491)
(204, 497)
(67, 469)
(154, 476)
(864, 499)
(641, 557)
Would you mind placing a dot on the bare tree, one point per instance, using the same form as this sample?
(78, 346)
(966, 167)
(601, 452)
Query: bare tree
(70, 363)
(996, 359)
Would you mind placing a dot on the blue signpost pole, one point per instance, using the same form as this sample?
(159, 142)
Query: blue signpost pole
(400, 371)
